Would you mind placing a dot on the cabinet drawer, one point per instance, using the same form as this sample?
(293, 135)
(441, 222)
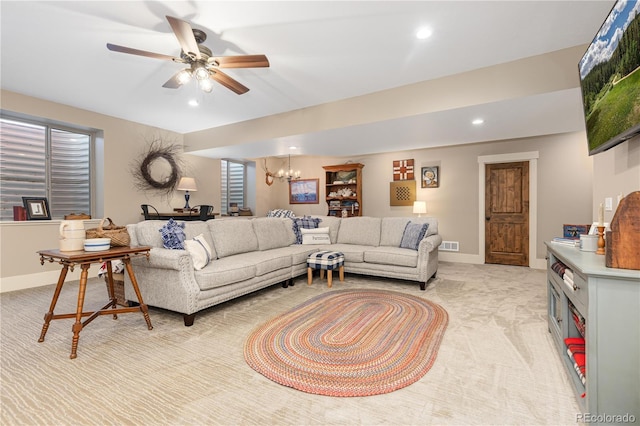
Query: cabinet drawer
(579, 292)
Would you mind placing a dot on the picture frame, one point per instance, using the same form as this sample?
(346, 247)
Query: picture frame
(573, 231)
(304, 191)
(37, 208)
(430, 177)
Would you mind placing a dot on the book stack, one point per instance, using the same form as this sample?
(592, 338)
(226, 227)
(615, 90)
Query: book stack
(566, 241)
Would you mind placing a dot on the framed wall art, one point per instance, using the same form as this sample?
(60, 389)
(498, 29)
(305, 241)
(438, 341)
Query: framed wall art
(303, 191)
(402, 193)
(403, 170)
(37, 208)
(430, 177)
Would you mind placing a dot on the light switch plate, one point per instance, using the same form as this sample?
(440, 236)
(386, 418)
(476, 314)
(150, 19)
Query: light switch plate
(608, 204)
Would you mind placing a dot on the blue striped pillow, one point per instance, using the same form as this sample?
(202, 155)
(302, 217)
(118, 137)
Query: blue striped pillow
(413, 234)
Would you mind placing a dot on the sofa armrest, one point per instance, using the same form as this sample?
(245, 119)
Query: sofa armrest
(163, 258)
(430, 243)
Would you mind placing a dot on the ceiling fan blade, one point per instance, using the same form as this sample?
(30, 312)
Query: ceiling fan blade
(184, 34)
(241, 61)
(228, 82)
(173, 82)
(122, 49)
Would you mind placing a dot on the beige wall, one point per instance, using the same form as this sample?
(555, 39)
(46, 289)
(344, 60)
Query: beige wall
(616, 171)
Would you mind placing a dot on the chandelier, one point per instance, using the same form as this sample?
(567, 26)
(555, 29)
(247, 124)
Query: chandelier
(288, 174)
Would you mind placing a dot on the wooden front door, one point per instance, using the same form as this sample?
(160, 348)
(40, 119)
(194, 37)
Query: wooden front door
(507, 213)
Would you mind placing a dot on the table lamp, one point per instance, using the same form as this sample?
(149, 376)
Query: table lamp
(419, 207)
(187, 184)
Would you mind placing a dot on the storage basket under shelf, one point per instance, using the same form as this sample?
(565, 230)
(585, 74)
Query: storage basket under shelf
(118, 288)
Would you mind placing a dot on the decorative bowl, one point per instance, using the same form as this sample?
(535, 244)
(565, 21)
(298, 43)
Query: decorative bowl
(97, 244)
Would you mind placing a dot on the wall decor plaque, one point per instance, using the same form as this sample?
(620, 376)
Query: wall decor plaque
(403, 170)
(402, 193)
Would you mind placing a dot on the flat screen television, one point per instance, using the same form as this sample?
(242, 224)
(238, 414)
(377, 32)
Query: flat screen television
(610, 79)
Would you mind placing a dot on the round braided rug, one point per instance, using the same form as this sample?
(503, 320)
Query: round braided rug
(349, 343)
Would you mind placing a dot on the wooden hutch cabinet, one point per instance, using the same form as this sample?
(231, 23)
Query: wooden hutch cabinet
(344, 189)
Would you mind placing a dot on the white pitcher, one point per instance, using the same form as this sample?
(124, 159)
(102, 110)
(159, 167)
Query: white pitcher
(72, 235)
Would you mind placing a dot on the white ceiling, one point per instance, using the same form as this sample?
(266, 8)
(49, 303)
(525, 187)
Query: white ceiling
(319, 52)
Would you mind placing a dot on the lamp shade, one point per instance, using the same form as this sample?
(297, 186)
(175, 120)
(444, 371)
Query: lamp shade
(187, 184)
(419, 207)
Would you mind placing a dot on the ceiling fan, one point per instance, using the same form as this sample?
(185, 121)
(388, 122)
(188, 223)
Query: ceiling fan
(203, 66)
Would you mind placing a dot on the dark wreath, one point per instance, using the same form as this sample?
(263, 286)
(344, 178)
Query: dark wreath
(156, 151)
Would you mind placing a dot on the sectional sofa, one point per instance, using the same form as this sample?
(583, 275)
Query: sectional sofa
(251, 254)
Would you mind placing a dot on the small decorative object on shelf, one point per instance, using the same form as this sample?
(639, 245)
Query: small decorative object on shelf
(600, 240)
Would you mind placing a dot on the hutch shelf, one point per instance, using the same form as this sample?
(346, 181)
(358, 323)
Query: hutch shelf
(344, 189)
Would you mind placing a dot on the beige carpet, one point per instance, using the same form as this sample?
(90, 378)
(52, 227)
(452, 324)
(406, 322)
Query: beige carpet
(496, 363)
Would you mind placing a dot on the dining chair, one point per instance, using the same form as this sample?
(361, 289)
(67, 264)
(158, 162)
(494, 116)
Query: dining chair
(145, 211)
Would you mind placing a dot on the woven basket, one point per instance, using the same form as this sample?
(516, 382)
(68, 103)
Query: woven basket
(118, 234)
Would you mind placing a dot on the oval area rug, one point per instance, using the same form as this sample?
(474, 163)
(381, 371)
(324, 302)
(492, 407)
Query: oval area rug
(349, 343)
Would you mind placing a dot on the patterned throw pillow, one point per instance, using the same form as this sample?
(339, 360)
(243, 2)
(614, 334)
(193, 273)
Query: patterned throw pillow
(199, 250)
(306, 222)
(280, 213)
(173, 235)
(413, 234)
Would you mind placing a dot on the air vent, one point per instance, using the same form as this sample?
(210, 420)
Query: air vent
(449, 246)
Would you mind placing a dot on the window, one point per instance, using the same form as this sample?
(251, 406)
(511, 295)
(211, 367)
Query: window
(42, 160)
(233, 184)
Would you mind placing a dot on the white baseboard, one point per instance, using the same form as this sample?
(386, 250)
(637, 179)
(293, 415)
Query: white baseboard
(21, 282)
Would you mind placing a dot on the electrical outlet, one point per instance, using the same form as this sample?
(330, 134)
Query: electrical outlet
(608, 204)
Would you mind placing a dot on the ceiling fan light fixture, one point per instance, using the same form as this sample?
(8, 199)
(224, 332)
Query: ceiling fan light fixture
(201, 73)
(206, 85)
(184, 76)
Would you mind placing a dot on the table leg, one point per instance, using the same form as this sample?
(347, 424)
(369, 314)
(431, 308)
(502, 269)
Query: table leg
(49, 315)
(77, 326)
(342, 273)
(110, 288)
(329, 278)
(134, 284)
(309, 276)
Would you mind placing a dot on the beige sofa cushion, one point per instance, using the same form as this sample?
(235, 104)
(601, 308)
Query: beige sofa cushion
(232, 236)
(360, 230)
(273, 232)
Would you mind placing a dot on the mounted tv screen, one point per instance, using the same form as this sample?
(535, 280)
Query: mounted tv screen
(610, 79)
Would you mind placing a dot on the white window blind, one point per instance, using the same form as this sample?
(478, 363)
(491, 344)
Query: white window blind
(38, 160)
(233, 184)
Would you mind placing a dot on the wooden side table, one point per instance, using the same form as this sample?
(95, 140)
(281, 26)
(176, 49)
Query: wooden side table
(85, 258)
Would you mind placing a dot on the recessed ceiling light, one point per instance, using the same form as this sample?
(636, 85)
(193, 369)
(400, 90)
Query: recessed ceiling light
(293, 147)
(423, 33)
(193, 103)
(477, 121)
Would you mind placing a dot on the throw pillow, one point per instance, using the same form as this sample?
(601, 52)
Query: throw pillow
(315, 236)
(413, 234)
(199, 250)
(173, 235)
(306, 222)
(280, 213)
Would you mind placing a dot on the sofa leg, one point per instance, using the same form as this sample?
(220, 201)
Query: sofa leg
(423, 286)
(188, 319)
(291, 282)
